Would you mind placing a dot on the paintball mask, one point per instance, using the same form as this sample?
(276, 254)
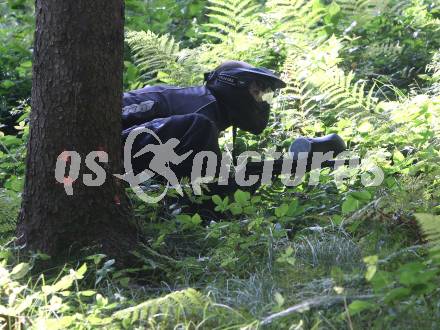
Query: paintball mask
(261, 92)
(245, 93)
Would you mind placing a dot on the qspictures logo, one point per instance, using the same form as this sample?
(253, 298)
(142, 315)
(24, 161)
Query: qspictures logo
(204, 168)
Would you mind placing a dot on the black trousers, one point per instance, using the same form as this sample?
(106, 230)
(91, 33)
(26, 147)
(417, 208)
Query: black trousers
(193, 131)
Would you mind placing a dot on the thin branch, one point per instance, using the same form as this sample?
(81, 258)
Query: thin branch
(411, 249)
(312, 303)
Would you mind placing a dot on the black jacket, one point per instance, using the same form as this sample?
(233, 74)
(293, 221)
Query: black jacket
(153, 102)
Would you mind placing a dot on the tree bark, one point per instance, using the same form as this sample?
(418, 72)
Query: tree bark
(76, 106)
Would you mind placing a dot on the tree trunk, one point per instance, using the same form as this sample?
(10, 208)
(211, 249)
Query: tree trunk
(76, 106)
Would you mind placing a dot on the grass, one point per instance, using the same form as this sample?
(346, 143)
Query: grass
(324, 259)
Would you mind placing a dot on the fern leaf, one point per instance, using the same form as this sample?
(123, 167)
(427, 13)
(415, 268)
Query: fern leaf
(166, 310)
(430, 226)
(295, 16)
(152, 53)
(218, 35)
(230, 17)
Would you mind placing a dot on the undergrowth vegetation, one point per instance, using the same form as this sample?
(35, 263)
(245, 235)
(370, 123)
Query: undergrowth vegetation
(337, 254)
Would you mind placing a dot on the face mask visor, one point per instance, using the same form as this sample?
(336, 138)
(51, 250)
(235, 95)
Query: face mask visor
(261, 92)
(268, 96)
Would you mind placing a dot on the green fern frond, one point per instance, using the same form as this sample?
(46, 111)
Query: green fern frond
(356, 6)
(430, 226)
(230, 17)
(160, 59)
(390, 51)
(316, 83)
(152, 53)
(304, 96)
(171, 309)
(294, 16)
(340, 92)
(218, 35)
(362, 11)
(297, 99)
(399, 6)
(186, 309)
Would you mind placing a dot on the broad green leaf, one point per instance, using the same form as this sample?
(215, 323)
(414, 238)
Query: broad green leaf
(82, 270)
(99, 321)
(20, 271)
(350, 205)
(57, 323)
(289, 251)
(279, 299)
(235, 209)
(398, 156)
(337, 219)
(87, 293)
(196, 219)
(371, 271)
(287, 257)
(293, 208)
(124, 282)
(184, 218)
(359, 306)
(380, 280)
(371, 260)
(397, 294)
(64, 283)
(333, 8)
(242, 197)
(249, 209)
(365, 127)
(364, 195)
(217, 200)
(101, 301)
(281, 210)
(26, 303)
(96, 258)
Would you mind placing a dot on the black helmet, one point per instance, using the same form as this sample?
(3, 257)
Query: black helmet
(241, 74)
(230, 83)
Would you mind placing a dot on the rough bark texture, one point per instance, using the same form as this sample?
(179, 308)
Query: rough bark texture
(76, 105)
